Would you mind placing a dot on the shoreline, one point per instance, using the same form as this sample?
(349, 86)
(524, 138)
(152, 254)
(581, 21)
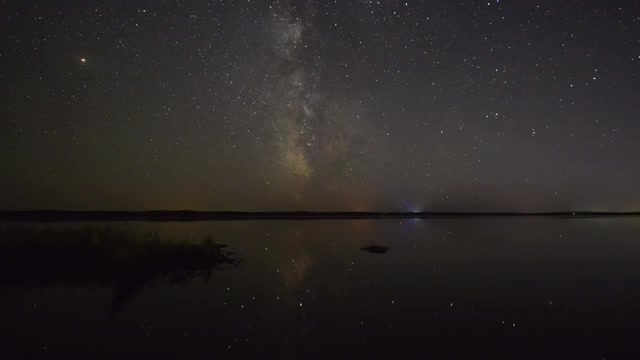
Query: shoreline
(185, 215)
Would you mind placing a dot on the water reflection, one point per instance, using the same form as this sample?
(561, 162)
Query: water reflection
(124, 258)
(449, 288)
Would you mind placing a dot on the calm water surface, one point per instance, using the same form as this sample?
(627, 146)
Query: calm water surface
(531, 287)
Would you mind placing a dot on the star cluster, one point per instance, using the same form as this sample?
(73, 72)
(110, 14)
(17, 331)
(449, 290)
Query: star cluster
(320, 105)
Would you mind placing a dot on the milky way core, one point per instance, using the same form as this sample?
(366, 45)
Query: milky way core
(320, 105)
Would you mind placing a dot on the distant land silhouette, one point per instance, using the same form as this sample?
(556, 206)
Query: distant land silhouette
(186, 215)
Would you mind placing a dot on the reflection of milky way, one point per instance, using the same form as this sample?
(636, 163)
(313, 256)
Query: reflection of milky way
(296, 271)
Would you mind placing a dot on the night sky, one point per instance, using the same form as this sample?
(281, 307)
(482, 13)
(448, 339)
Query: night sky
(320, 105)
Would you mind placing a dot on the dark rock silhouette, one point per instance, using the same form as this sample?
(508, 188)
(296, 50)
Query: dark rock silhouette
(375, 249)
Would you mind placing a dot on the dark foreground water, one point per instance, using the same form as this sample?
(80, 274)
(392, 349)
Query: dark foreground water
(488, 288)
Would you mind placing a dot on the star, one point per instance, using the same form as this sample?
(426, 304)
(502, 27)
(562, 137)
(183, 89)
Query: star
(304, 96)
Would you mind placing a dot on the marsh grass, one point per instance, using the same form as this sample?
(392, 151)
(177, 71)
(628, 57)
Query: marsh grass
(125, 258)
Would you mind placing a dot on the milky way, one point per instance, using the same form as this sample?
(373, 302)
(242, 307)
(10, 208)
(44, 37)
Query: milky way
(295, 83)
(311, 126)
(320, 105)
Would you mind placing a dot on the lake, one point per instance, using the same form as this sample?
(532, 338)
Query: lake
(492, 287)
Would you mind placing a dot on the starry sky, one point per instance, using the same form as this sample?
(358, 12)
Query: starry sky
(320, 105)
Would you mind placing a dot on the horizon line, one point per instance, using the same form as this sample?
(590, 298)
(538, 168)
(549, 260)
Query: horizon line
(202, 215)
